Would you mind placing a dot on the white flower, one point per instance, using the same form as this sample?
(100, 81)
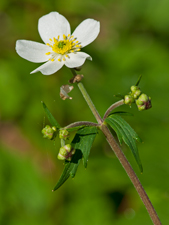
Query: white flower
(60, 48)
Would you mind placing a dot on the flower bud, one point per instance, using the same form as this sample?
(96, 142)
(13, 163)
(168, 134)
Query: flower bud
(143, 102)
(63, 134)
(134, 88)
(128, 99)
(135, 91)
(66, 152)
(48, 132)
(136, 94)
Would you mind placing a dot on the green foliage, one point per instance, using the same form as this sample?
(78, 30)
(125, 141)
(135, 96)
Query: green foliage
(50, 117)
(82, 143)
(134, 40)
(126, 133)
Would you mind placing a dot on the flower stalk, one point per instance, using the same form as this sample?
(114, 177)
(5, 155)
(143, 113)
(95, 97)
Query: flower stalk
(118, 152)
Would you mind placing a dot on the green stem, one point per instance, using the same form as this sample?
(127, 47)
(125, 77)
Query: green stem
(118, 152)
(89, 102)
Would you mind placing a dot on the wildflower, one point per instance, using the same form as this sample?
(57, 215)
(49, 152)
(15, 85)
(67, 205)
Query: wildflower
(60, 48)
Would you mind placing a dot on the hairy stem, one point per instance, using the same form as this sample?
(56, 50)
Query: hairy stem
(130, 172)
(89, 102)
(81, 123)
(113, 106)
(114, 146)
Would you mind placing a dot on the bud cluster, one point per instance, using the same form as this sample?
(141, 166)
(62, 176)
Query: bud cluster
(49, 132)
(64, 134)
(142, 101)
(66, 152)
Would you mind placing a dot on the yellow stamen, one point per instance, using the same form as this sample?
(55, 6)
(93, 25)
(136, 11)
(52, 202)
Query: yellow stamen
(59, 60)
(69, 44)
(50, 39)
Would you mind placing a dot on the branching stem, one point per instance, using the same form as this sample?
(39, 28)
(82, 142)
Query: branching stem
(118, 152)
(113, 106)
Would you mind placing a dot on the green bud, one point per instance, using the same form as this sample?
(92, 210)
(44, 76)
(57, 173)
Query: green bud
(63, 134)
(66, 152)
(134, 88)
(128, 99)
(143, 102)
(136, 94)
(135, 91)
(48, 132)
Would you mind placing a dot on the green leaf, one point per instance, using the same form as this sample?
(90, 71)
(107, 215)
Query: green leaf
(138, 81)
(122, 113)
(119, 96)
(69, 169)
(74, 128)
(82, 142)
(116, 128)
(125, 132)
(50, 117)
(126, 126)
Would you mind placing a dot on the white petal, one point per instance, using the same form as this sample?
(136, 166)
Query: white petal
(87, 31)
(32, 51)
(49, 67)
(76, 59)
(52, 25)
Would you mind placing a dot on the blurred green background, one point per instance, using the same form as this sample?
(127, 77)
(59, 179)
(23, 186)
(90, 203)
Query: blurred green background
(134, 40)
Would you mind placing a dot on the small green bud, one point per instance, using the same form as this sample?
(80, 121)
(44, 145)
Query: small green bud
(63, 134)
(134, 88)
(136, 94)
(48, 132)
(66, 152)
(128, 99)
(135, 91)
(143, 102)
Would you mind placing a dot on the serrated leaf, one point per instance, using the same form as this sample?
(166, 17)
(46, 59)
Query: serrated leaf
(128, 135)
(50, 116)
(82, 142)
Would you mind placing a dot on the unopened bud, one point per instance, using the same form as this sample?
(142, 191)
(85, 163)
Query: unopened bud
(128, 99)
(63, 134)
(143, 102)
(66, 152)
(48, 132)
(135, 91)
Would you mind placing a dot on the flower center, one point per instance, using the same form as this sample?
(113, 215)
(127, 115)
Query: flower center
(62, 48)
